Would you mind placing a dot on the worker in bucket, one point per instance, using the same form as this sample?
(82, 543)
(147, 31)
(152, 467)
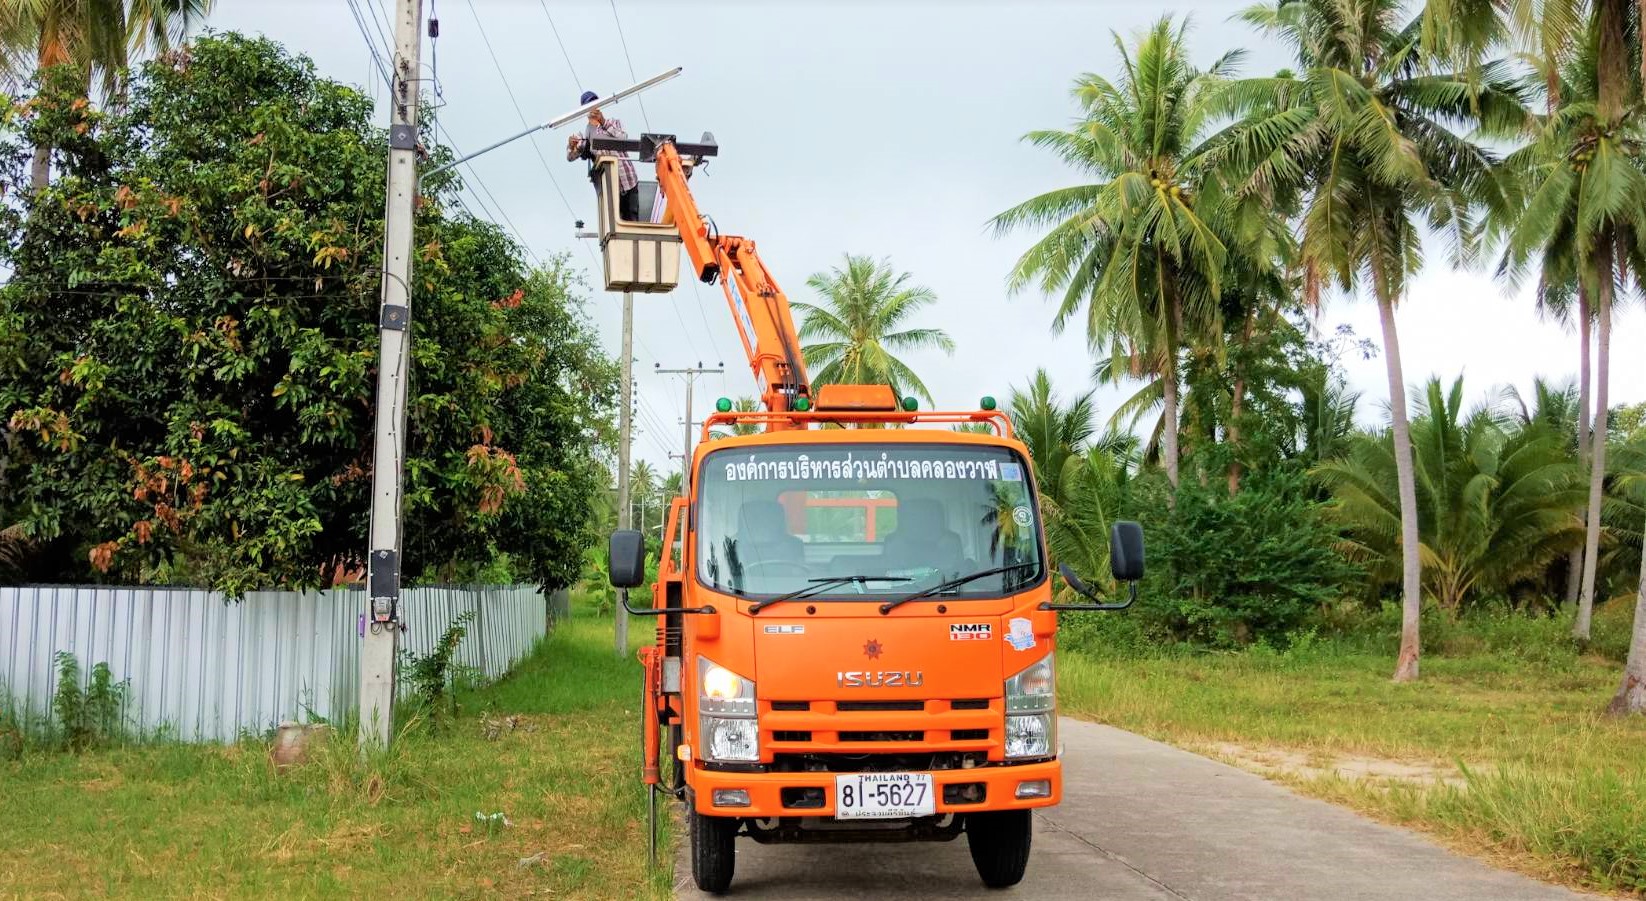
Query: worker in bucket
(628, 200)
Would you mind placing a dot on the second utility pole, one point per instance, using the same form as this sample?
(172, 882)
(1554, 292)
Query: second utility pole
(691, 373)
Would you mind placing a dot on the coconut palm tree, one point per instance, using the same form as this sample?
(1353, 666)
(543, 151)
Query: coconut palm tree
(1579, 213)
(858, 327)
(1368, 133)
(1498, 499)
(1138, 250)
(741, 405)
(1053, 431)
(97, 37)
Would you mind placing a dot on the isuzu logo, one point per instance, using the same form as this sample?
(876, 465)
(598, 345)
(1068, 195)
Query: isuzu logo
(879, 679)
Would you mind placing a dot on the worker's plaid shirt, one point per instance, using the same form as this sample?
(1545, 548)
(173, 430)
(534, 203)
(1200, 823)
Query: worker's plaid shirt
(613, 128)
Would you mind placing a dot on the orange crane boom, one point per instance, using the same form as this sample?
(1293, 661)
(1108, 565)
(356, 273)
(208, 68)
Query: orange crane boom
(759, 306)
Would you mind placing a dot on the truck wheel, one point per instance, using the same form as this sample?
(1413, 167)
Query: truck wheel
(713, 849)
(999, 842)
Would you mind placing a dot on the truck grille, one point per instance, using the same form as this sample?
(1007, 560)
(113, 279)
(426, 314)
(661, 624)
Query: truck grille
(854, 706)
(885, 735)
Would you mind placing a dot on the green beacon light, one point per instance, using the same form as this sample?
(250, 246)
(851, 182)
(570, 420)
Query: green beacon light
(802, 404)
(724, 405)
(987, 403)
(910, 404)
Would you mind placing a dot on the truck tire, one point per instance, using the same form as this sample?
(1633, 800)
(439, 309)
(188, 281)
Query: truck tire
(714, 841)
(999, 842)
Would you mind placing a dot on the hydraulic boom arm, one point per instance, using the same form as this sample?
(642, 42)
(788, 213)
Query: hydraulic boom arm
(759, 306)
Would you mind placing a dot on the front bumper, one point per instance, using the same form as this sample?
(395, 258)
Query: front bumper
(766, 789)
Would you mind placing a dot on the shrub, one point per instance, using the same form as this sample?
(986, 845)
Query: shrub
(431, 675)
(1232, 569)
(87, 717)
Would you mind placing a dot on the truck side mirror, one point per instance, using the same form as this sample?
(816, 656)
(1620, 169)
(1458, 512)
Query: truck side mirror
(1126, 551)
(626, 559)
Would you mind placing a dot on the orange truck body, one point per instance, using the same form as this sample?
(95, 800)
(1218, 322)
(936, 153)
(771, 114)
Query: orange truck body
(855, 633)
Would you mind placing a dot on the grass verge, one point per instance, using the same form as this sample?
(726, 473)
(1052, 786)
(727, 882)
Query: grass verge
(1500, 750)
(552, 746)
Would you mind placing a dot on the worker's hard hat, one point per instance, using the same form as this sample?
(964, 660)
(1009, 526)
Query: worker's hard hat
(588, 97)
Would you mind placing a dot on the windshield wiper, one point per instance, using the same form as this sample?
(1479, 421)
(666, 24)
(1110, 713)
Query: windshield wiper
(819, 586)
(953, 583)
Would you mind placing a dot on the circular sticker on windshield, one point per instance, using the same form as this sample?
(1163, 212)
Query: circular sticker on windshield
(1022, 516)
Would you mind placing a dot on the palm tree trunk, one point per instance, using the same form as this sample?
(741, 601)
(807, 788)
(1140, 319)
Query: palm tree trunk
(1169, 415)
(1574, 563)
(1237, 405)
(1631, 695)
(1612, 55)
(1411, 605)
(1597, 469)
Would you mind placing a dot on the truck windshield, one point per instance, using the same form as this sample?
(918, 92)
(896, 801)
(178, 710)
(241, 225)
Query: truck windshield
(776, 520)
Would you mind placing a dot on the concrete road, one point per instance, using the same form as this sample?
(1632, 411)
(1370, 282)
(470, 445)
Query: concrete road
(1143, 820)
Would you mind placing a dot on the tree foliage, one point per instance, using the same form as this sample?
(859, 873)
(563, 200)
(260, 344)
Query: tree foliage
(1497, 499)
(188, 345)
(858, 329)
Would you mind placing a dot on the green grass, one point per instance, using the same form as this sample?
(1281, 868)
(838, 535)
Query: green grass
(1543, 781)
(169, 820)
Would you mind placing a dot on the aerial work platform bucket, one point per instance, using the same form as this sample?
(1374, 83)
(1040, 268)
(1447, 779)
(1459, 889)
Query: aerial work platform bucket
(643, 256)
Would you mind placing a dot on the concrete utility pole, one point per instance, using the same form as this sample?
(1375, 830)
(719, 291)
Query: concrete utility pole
(691, 373)
(382, 637)
(625, 426)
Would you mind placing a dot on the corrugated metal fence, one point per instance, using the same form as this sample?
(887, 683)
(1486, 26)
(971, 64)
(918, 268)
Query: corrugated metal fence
(202, 669)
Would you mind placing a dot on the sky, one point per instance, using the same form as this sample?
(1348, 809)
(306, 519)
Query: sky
(891, 129)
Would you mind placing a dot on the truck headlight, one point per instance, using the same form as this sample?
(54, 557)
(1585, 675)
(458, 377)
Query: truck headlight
(728, 739)
(1031, 711)
(729, 729)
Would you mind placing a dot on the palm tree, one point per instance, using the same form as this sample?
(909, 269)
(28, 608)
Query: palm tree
(858, 327)
(642, 492)
(1579, 213)
(1365, 133)
(97, 37)
(1498, 498)
(1054, 432)
(741, 405)
(1138, 249)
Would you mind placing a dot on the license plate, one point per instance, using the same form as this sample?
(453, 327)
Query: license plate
(879, 796)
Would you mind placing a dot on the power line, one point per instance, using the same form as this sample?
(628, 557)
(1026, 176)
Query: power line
(356, 9)
(518, 236)
(509, 89)
(625, 42)
(567, 56)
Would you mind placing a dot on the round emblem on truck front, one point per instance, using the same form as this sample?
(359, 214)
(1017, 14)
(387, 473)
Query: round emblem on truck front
(872, 649)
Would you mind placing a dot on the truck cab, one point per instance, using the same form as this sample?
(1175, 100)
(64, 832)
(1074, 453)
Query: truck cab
(856, 639)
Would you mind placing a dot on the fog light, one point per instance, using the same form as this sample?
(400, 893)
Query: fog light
(739, 797)
(1034, 788)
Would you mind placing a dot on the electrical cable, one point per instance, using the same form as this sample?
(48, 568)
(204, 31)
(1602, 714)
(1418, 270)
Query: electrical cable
(509, 90)
(632, 77)
(567, 56)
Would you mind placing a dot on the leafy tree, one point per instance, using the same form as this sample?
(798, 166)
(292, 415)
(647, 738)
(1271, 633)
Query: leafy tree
(1497, 501)
(188, 345)
(1233, 569)
(858, 327)
(1367, 132)
(1138, 250)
